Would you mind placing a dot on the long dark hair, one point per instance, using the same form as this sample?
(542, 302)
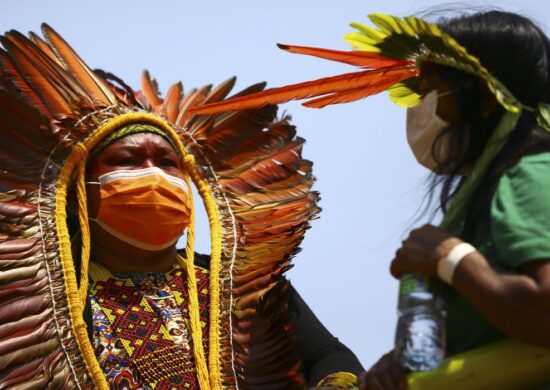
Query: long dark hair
(517, 52)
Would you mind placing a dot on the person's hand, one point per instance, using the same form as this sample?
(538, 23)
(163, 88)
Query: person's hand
(386, 374)
(422, 250)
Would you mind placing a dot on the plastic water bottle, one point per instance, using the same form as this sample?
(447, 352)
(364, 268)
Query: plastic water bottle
(420, 335)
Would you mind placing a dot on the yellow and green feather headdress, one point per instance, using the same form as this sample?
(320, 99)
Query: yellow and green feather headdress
(389, 56)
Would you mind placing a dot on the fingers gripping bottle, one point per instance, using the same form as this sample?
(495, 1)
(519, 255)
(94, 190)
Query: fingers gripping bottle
(420, 335)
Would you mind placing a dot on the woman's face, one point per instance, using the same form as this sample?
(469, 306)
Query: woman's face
(136, 151)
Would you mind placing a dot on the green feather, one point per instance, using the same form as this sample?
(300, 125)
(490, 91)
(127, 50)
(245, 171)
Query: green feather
(406, 93)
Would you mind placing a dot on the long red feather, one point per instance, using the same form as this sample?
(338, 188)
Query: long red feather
(323, 86)
(358, 58)
(353, 95)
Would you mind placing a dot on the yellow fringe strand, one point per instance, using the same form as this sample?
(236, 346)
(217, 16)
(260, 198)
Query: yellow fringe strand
(74, 301)
(81, 155)
(208, 375)
(215, 265)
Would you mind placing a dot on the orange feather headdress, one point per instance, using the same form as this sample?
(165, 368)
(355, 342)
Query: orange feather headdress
(247, 166)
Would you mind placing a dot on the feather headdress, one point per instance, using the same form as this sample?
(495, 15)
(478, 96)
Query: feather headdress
(389, 57)
(247, 166)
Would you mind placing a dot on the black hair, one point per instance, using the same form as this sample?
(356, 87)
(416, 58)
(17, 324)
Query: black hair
(517, 52)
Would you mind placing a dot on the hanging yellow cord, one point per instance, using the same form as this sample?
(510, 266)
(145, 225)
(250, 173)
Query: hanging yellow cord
(75, 296)
(215, 264)
(194, 308)
(74, 301)
(81, 155)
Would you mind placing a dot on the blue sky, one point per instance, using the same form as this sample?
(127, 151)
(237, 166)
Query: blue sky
(371, 186)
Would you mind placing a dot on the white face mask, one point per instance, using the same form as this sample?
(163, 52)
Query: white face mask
(423, 128)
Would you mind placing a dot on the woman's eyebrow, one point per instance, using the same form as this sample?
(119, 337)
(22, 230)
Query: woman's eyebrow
(128, 147)
(166, 149)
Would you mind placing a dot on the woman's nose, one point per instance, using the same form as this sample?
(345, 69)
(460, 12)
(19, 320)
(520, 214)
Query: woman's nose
(149, 163)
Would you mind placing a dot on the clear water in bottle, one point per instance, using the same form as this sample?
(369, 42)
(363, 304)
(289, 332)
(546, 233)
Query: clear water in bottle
(420, 335)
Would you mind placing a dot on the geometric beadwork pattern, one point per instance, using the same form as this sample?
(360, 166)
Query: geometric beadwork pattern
(148, 316)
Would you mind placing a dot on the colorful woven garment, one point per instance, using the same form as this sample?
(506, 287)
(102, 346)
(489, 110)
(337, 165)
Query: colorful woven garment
(141, 324)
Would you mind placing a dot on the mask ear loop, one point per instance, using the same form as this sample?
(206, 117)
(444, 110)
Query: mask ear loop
(82, 157)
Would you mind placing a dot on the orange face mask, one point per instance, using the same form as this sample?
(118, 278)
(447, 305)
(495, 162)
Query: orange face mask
(146, 208)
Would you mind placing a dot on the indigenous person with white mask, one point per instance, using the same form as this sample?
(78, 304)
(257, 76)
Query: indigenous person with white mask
(478, 92)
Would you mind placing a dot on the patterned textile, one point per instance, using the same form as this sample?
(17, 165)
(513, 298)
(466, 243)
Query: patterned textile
(140, 326)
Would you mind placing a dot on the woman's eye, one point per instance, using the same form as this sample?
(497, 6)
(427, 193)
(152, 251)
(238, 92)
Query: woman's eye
(126, 161)
(166, 162)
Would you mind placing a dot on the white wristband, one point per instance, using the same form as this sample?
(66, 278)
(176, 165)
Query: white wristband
(447, 265)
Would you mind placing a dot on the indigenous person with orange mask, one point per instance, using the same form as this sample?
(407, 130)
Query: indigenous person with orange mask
(96, 189)
(477, 88)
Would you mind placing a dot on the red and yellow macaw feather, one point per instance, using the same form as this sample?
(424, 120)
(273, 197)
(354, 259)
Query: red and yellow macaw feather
(368, 80)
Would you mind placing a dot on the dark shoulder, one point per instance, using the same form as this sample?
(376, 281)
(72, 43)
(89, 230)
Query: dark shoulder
(202, 261)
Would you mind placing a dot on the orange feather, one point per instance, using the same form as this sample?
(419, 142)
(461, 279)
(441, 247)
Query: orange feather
(352, 95)
(172, 101)
(95, 87)
(55, 74)
(12, 73)
(221, 91)
(191, 100)
(323, 86)
(150, 90)
(45, 48)
(358, 58)
(54, 98)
